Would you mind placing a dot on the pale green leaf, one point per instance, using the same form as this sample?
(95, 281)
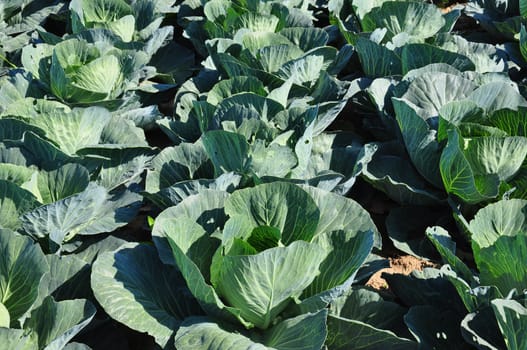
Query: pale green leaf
(262, 285)
(281, 205)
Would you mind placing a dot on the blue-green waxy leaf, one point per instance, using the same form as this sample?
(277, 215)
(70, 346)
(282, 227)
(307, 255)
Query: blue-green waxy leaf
(73, 129)
(377, 60)
(262, 285)
(420, 20)
(388, 168)
(137, 289)
(306, 69)
(251, 104)
(345, 254)
(56, 323)
(446, 248)
(201, 333)
(69, 276)
(33, 59)
(14, 201)
(415, 56)
(227, 88)
(200, 288)
(62, 182)
(185, 161)
(174, 194)
(13, 129)
(361, 319)
(304, 332)
(191, 238)
(274, 160)
(431, 90)
(512, 319)
(43, 153)
(306, 38)
(281, 205)
(344, 334)
(90, 212)
(502, 156)
(227, 151)
(338, 213)
(253, 41)
(456, 113)
(274, 57)
(498, 95)
(307, 332)
(22, 266)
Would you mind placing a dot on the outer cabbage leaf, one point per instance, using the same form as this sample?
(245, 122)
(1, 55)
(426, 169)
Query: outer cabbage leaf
(306, 331)
(361, 319)
(512, 319)
(204, 334)
(345, 252)
(135, 288)
(73, 129)
(435, 328)
(14, 201)
(22, 267)
(377, 60)
(420, 55)
(480, 329)
(387, 167)
(185, 161)
(63, 182)
(90, 212)
(56, 323)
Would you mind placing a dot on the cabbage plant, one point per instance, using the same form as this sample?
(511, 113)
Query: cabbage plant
(130, 20)
(494, 296)
(79, 72)
(30, 317)
(268, 259)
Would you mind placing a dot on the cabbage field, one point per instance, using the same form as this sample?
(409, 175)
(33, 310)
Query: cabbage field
(230, 174)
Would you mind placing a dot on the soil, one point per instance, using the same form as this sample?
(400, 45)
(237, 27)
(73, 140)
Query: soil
(403, 265)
